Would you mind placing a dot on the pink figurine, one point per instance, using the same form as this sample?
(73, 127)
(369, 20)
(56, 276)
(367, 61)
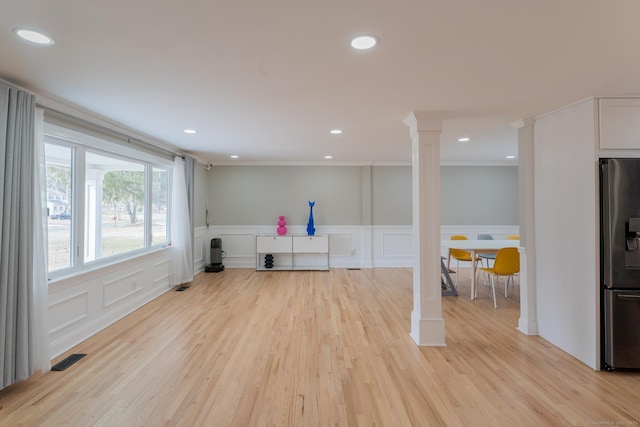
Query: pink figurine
(282, 229)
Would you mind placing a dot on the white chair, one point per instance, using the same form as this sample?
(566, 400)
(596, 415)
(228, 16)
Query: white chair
(486, 256)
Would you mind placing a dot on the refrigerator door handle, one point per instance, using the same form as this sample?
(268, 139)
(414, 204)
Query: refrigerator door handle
(605, 202)
(627, 297)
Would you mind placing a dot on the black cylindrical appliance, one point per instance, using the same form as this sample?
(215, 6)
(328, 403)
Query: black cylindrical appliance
(215, 256)
(216, 251)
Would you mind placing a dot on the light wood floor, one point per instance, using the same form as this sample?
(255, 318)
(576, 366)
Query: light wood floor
(246, 348)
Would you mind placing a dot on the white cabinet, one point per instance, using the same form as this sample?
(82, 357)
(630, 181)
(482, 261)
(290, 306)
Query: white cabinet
(292, 253)
(619, 123)
(311, 244)
(274, 244)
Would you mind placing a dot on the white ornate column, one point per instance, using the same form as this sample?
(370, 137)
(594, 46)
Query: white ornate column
(427, 324)
(528, 322)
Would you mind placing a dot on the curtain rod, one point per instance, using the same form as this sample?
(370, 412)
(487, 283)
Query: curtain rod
(113, 132)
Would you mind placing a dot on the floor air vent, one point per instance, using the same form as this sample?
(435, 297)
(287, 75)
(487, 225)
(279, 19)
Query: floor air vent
(182, 288)
(68, 361)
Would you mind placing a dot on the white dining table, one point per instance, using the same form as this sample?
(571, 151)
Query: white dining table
(476, 247)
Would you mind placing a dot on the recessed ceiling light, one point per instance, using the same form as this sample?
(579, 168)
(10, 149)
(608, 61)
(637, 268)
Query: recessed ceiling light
(234, 156)
(465, 139)
(336, 131)
(33, 36)
(511, 157)
(190, 131)
(328, 157)
(364, 42)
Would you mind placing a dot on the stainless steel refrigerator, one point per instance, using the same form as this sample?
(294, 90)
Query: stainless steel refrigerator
(620, 262)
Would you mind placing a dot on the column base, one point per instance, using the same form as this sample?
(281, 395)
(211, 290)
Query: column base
(526, 327)
(427, 332)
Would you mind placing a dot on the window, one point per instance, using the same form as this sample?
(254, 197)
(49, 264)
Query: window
(102, 204)
(59, 205)
(159, 205)
(114, 206)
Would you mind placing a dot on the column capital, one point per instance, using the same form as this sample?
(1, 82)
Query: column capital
(524, 122)
(424, 121)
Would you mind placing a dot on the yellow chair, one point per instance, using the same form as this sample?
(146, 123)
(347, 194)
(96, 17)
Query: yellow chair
(512, 237)
(507, 263)
(459, 255)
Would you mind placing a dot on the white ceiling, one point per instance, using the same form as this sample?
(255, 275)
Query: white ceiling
(268, 80)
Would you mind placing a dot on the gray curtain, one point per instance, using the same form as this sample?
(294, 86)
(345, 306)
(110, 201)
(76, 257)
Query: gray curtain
(181, 229)
(189, 179)
(17, 216)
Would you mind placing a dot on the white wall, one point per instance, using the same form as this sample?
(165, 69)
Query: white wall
(250, 195)
(391, 194)
(472, 195)
(566, 206)
(200, 196)
(256, 195)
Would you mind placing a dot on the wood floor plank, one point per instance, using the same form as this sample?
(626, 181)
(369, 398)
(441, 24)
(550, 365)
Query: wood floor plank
(247, 348)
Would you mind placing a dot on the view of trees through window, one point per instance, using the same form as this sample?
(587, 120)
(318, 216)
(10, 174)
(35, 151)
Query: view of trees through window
(159, 205)
(119, 204)
(59, 200)
(124, 191)
(125, 204)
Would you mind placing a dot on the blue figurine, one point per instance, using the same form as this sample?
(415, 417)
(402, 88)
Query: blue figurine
(311, 230)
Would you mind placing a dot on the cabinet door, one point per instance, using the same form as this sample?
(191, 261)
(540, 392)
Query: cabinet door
(619, 123)
(273, 244)
(310, 244)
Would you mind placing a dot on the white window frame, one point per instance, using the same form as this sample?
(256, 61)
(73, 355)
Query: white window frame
(81, 143)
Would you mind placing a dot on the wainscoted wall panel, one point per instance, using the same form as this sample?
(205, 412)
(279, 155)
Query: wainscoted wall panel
(392, 246)
(162, 281)
(198, 249)
(397, 245)
(122, 287)
(238, 245)
(239, 249)
(163, 273)
(341, 244)
(349, 246)
(82, 305)
(68, 311)
(499, 232)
